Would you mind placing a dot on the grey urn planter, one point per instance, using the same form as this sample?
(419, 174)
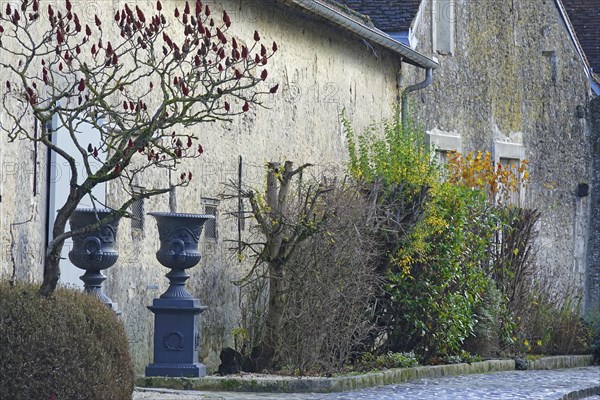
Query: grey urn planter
(179, 236)
(94, 251)
(177, 312)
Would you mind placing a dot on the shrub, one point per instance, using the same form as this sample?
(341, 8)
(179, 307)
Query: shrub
(394, 168)
(370, 361)
(493, 318)
(435, 236)
(67, 346)
(328, 284)
(513, 254)
(436, 280)
(593, 321)
(331, 284)
(552, 325)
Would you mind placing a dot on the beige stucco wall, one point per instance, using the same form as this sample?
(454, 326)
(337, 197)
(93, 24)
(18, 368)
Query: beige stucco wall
(500, 85)
(22, 208)
(321, 70)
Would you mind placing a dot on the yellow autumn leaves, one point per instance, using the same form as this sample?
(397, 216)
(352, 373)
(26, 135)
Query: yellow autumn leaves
(478, 170)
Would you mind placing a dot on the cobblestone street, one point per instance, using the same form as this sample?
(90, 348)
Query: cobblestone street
(512, 385)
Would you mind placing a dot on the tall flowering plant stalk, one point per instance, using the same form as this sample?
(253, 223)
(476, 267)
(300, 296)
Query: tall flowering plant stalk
(137, 78)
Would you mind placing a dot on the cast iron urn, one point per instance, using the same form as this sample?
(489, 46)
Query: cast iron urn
(94, 251)
(177, 312)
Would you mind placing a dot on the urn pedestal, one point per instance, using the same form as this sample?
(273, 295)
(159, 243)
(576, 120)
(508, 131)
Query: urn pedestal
(177, 312)
(94, 251)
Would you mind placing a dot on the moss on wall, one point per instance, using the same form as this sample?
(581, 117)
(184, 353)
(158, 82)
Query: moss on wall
(515, 76)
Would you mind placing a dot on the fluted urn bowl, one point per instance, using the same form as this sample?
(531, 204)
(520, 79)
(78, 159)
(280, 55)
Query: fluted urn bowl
(179, 236)
(95, 250)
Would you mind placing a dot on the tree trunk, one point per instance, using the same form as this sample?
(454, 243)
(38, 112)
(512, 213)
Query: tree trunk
(264, 356)
(51, 271)
(274, 315)
(54, 250)
(275, 225)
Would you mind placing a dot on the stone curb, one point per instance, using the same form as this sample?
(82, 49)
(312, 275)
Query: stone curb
(560, 362)
(353, 382)
(581, 394)
(322, 385)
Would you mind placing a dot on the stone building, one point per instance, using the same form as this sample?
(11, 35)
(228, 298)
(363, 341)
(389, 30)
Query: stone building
(585, 24)
(514, 79)
(508, 77)
(329, 59)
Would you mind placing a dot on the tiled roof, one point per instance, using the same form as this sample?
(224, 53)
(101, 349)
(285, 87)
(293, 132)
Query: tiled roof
(585, 17)
(387, 15)
(339, 14)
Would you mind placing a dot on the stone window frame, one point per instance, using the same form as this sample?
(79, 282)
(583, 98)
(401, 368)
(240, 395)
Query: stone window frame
(443, 26)
(138, 211)
(443, 143)
(211, 207)
(511, 152)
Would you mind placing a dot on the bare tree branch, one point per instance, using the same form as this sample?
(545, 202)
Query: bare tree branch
(137, 80)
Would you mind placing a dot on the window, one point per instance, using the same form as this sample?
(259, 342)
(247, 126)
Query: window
(511, 164)
(443, 144)
(210, 226)
(137, 212)
(550, 67)
(442, 29)
(510, 156)
(442, 156)
(59, 185)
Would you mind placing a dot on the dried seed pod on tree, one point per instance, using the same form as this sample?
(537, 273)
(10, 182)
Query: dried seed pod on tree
(136, 78)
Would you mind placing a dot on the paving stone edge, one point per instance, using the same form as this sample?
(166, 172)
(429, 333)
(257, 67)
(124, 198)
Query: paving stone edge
(361, 381)
(581, 393)
(560, 362)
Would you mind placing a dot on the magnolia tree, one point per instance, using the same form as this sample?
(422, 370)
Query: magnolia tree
(137, 79)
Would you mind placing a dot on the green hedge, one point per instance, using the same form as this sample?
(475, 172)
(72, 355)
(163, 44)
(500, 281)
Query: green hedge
(68, 346)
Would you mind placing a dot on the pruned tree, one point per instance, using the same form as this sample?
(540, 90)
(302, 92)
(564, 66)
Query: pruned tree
(137, 79)
(284, 220)
(331, 287)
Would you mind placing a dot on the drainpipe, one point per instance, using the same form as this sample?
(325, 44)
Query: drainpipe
(414, 88)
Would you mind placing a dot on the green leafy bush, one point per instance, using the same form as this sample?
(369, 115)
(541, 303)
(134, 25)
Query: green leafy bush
(67, 346)
(462, 357)
(459, 260)
(593, 322)
(436, 280)
(435, 236)
(370, 361)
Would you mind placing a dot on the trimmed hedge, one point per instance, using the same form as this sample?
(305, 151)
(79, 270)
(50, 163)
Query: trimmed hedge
(68, 346)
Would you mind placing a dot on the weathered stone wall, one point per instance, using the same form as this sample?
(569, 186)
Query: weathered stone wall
(593, 283)
(515, 76)
(321, 70)
(22, 209)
